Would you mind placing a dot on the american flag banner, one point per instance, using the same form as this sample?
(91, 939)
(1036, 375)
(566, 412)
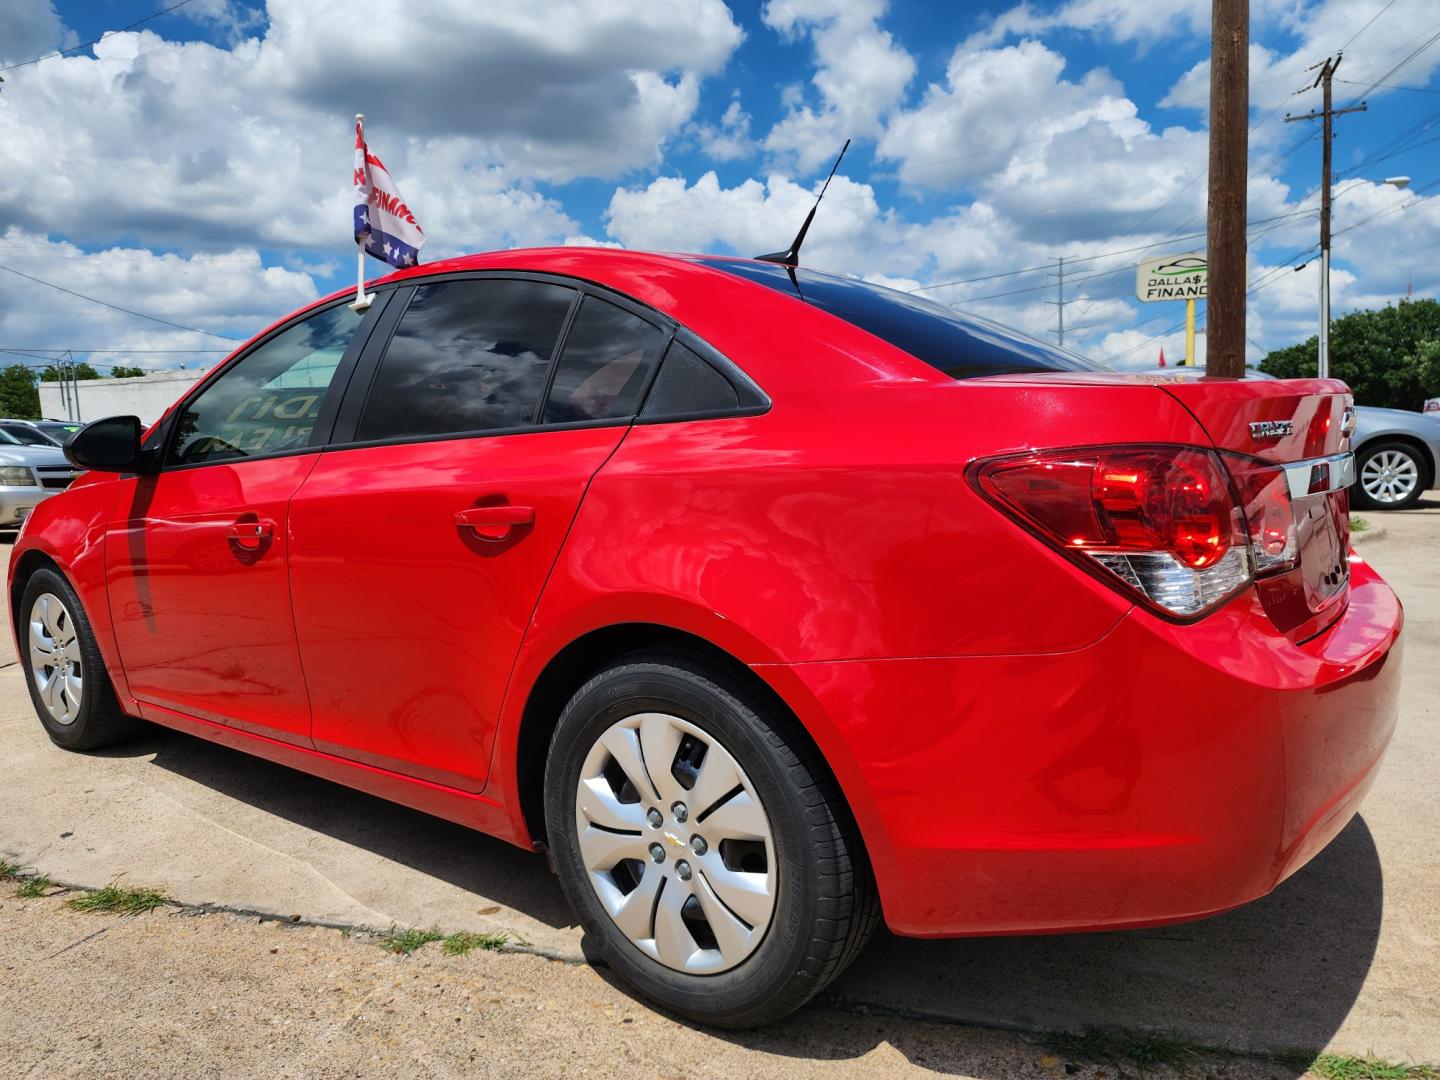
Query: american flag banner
(384, 225)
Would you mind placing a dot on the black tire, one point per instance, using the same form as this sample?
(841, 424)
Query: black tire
(1371, 450)
(99, 720)
(825, 906)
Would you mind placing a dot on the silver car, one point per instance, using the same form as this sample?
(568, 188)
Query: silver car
(27, 475)
(1395, 456)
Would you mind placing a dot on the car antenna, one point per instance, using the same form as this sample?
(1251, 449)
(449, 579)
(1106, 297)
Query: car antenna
(790, 259)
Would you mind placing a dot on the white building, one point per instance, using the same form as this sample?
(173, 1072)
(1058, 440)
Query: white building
(147, 397)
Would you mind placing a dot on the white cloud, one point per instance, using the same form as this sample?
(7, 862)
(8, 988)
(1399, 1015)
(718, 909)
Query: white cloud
(1122, 20)
(28, 30)
(861, 73)
(730, 139)
(187, 143)
(229, 293)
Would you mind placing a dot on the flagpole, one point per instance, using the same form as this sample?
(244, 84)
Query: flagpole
(362, 301)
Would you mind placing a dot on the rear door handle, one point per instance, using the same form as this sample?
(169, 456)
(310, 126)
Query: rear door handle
(494, 522)
(251, 534)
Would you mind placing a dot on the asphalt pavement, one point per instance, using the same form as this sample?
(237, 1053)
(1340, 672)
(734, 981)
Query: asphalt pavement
(1345, 955)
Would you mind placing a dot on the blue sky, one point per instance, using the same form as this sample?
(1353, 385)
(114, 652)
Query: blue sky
(195, 169)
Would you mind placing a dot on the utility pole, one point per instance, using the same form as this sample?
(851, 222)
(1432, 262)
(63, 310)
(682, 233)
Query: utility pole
(1229, 149)
(1327, 118)
(1059, 275)
(75, 386)
(1060, 295)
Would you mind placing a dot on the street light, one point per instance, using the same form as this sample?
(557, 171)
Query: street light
(1397, 182)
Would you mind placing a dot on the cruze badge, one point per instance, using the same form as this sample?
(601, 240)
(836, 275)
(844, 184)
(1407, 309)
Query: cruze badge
(1271, 429)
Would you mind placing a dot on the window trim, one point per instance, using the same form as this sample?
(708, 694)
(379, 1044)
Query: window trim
(159, 445)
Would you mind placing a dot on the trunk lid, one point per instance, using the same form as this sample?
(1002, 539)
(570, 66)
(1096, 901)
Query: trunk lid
(1286, 422)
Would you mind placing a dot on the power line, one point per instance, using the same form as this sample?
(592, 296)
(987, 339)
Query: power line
(116, 307)
(102, 37)
(1390, 86)
(1367, 25)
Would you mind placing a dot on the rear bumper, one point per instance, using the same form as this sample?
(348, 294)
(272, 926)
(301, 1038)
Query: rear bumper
(1164, 773)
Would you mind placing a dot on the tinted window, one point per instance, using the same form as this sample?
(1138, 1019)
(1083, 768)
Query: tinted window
(267, 401)
(961, 346)
(467, 356)
(688, 385)
(607, 358)
(28, 436)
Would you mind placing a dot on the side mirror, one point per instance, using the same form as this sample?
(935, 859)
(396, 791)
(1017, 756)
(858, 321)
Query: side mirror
(109, 445)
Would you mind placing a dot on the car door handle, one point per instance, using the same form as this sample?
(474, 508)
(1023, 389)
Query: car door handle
(251, 534)
(494, 522)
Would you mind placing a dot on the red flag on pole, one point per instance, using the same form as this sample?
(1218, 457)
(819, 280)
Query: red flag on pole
(1162, 355)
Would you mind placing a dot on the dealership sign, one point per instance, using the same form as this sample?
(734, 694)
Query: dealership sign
(1172, 277)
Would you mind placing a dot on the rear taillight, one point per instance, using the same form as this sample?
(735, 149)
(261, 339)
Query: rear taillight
(1158, 521)
(1269, 517)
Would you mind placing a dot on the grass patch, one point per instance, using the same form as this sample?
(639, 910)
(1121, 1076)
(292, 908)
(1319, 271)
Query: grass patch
(1345, 1067)
(10, 871)
(33, 887)
(406, 942)
(459, 944)
(117, 899)
(1358, 524)
(1104, 1046)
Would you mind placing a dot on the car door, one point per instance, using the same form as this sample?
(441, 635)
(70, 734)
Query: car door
(196, 555)
(420, 548)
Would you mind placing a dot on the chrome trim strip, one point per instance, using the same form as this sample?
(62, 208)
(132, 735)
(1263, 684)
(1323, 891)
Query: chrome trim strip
(1320, 476)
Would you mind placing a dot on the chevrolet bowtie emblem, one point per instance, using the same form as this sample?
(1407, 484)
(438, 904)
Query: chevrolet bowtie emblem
(671, 838)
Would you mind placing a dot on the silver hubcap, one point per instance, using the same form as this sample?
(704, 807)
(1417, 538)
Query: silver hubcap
(697, 890)
(55, 658)
(1390, 476)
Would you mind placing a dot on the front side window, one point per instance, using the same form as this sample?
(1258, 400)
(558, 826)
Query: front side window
(268, 401)
(605, 364)
(466, 357)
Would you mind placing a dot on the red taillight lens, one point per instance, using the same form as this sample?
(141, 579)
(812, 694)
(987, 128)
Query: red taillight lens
(1161, 520)
(1269, 517)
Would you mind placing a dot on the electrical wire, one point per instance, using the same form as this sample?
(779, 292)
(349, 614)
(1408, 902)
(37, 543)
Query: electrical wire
(102, 37)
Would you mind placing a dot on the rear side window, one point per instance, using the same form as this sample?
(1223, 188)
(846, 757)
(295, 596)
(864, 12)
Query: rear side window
(467, 356)
(961, 346)
(688, 386)
(607, 360)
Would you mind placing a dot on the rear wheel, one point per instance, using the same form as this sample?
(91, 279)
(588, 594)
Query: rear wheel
(66, 675)
(1389, 476)
(702, 843)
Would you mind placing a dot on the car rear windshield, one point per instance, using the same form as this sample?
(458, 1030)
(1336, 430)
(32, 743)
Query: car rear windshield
(962, 346)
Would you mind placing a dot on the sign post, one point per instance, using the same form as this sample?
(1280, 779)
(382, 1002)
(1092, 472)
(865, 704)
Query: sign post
(1175, 277)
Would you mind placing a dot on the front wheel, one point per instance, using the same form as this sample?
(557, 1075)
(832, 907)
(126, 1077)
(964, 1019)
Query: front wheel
(1389, 476)
(702, 842)
(68, 683)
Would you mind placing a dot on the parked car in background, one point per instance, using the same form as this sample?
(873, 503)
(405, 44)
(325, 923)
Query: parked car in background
(59, 430)
(769, 603)
(29, 473)
(1432, 405)
(1396, 452)
(28, 433)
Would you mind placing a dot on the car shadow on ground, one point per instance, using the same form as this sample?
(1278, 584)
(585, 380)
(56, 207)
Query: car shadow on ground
(429, 845)
(1282, 972)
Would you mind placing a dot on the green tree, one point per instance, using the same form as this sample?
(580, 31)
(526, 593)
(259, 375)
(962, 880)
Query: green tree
(1388, 357)
(18, 396)
(120, 371)
(82, 370)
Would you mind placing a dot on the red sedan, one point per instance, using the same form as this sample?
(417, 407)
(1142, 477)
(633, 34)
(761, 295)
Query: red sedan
(770, 603)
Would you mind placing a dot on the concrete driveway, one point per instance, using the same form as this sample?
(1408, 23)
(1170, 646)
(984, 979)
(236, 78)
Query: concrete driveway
(1345, 955)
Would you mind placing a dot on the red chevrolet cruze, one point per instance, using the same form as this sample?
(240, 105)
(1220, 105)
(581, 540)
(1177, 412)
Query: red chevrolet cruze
(768, 602)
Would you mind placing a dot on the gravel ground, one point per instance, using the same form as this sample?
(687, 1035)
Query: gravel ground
(177, 993)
